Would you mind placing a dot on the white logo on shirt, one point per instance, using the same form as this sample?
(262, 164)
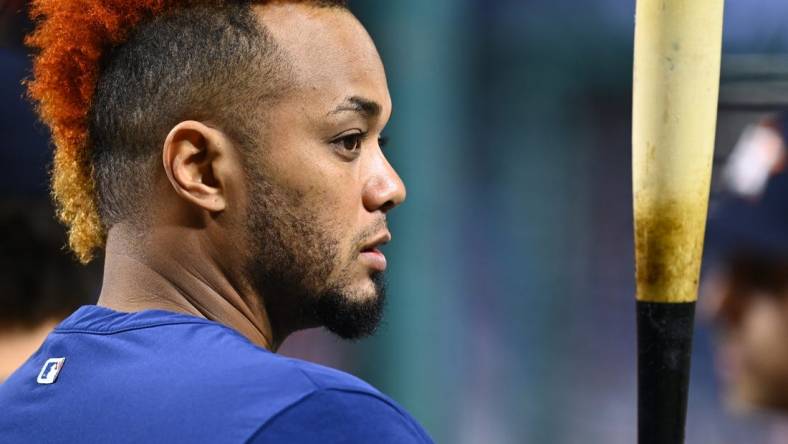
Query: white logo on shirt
(50, 370)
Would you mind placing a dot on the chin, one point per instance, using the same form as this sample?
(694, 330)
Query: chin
(360, 296)
(353, 312)
(366, 291)
(365, 288)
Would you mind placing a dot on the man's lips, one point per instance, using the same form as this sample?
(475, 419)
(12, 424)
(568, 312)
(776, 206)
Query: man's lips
(374, 259)
(372, 255)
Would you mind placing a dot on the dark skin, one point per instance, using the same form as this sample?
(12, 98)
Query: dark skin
(319, 153)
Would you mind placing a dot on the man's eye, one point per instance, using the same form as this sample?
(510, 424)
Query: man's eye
(350, 143)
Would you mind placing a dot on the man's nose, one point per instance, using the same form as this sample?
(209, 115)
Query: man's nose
(383, 189)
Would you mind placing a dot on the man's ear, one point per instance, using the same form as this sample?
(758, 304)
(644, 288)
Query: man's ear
(198, 159)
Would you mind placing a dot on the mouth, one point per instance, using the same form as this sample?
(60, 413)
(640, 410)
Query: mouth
(371, 254)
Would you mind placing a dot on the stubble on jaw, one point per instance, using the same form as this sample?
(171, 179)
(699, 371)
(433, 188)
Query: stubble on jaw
(296, 266)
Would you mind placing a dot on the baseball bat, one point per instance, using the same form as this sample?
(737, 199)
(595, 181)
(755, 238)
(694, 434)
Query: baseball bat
(678, 45)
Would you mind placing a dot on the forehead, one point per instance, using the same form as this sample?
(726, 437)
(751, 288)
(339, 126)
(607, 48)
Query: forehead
(331, 54)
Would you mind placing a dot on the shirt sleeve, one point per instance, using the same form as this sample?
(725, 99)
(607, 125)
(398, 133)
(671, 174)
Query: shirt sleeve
(341, 416)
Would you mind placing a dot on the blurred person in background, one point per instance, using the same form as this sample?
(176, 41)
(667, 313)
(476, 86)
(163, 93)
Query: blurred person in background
(746, 289)
(25, 148)
(40, 283)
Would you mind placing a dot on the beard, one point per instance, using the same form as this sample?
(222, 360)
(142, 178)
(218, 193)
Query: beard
(292, 266)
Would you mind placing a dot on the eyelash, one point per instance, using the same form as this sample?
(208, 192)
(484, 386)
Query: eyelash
(357, 139)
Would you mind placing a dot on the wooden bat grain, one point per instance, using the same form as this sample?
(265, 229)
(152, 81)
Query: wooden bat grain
(676, 85)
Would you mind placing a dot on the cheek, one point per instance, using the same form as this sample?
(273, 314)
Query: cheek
(322, 181)
(332, 208)
(327, 189)
(333, 197)
(332, 221)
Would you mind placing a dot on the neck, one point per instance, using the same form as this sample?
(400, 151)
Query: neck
(169, 268)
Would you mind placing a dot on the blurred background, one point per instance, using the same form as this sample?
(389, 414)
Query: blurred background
(511, 313)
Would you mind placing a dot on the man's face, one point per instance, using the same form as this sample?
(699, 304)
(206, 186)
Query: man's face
(752, 355)
(321, 187)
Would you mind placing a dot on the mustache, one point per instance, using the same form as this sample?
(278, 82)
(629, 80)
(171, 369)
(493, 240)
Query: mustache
(374, 229)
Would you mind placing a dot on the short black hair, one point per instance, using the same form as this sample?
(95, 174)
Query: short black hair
(204, 62)
(209, 61)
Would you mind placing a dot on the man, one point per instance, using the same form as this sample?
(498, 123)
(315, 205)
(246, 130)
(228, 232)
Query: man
(746, 292)
(230, 154)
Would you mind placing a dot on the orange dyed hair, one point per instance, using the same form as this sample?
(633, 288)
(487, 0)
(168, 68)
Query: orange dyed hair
(72, 36)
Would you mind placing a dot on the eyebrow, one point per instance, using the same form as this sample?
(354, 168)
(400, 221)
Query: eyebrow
(367, 108)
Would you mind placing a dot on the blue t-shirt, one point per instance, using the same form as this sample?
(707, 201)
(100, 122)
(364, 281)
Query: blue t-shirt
(158, 377)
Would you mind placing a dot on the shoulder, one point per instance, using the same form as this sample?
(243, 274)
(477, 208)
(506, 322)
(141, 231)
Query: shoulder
(221, 387)
(325, 405)
(240, 363)
(325, 377)
(347, 415)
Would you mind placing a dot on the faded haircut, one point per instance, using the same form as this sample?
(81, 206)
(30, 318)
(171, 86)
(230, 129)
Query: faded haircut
(205, 63)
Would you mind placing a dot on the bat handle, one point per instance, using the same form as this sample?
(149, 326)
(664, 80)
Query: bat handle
(664, 345)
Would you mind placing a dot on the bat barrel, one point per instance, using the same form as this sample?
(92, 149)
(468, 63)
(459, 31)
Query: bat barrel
(675, 90)
(664, 346)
